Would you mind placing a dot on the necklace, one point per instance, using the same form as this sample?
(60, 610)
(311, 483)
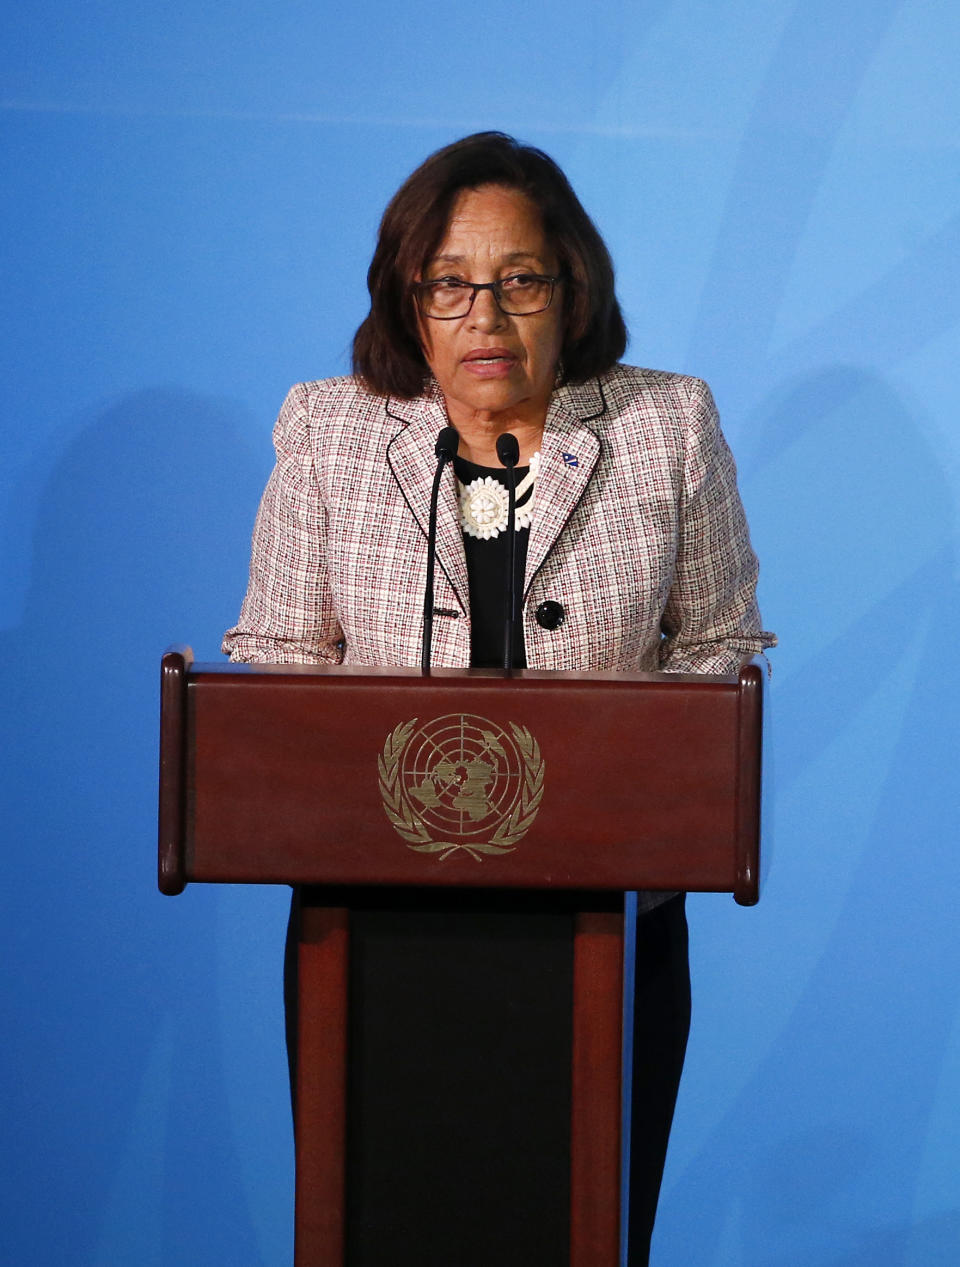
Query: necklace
(484, 502)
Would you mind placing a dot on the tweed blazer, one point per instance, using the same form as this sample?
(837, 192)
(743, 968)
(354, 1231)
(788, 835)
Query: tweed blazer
(638, 532)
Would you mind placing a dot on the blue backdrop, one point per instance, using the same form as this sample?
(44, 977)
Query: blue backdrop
(190, 198)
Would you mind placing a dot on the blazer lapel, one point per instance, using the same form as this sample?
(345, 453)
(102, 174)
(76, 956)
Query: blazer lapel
(569, 454)
(410, 456)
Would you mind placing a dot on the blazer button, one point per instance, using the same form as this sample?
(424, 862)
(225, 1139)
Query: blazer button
(550, 615)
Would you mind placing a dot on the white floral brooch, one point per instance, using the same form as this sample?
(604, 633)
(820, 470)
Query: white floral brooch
(484, 501)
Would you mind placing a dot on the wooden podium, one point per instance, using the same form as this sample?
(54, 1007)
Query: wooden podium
(388, 791)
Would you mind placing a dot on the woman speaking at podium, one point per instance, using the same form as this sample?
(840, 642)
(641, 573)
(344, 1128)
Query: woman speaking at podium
(492, 311)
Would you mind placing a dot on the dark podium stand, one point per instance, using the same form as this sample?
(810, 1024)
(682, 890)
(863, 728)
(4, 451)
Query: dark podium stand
(535, 792)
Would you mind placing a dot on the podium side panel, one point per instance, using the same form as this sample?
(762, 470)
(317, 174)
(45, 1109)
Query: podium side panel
(171, 818)
(747, 887)
(321, 1087)
(595, 1117)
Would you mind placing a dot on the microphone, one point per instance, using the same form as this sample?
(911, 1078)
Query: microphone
(448, 441)
(508, 451)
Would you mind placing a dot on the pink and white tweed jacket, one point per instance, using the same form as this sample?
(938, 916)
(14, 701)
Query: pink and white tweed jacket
(638, 532)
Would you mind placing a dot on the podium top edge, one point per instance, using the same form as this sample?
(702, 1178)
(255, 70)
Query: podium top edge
(381, 674)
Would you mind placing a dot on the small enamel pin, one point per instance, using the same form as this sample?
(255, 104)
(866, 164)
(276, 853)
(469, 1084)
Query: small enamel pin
(571, 459)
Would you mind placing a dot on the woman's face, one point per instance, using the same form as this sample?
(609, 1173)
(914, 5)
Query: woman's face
(491, 366)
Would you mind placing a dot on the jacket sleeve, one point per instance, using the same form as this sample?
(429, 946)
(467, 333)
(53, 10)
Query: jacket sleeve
(711, 623)
(288, 615)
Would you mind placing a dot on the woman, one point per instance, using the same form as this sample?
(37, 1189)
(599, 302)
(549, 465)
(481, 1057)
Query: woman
(493, 309)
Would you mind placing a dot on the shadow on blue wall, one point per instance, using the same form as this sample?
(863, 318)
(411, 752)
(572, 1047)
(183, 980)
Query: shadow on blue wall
(869, 1033)
(110, 1028)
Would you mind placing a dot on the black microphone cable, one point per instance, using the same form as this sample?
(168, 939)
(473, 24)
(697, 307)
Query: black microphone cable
(448, 441)
(508, 451)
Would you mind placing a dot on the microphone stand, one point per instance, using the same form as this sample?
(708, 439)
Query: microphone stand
(508, 451)
(446, 450)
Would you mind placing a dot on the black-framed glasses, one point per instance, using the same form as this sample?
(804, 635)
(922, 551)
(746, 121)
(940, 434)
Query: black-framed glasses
(520, 295)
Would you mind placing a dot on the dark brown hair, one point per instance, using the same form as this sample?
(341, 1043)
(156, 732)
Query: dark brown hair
(387, 355)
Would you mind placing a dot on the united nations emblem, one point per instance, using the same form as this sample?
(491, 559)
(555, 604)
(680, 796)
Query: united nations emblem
(461, 782)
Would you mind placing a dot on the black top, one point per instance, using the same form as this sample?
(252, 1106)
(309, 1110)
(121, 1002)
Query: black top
(487, 566)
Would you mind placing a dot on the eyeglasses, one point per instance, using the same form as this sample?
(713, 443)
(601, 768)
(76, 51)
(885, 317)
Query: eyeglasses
(520, 295)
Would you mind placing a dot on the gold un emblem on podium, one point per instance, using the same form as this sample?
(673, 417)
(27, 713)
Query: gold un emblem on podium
(461, 782)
